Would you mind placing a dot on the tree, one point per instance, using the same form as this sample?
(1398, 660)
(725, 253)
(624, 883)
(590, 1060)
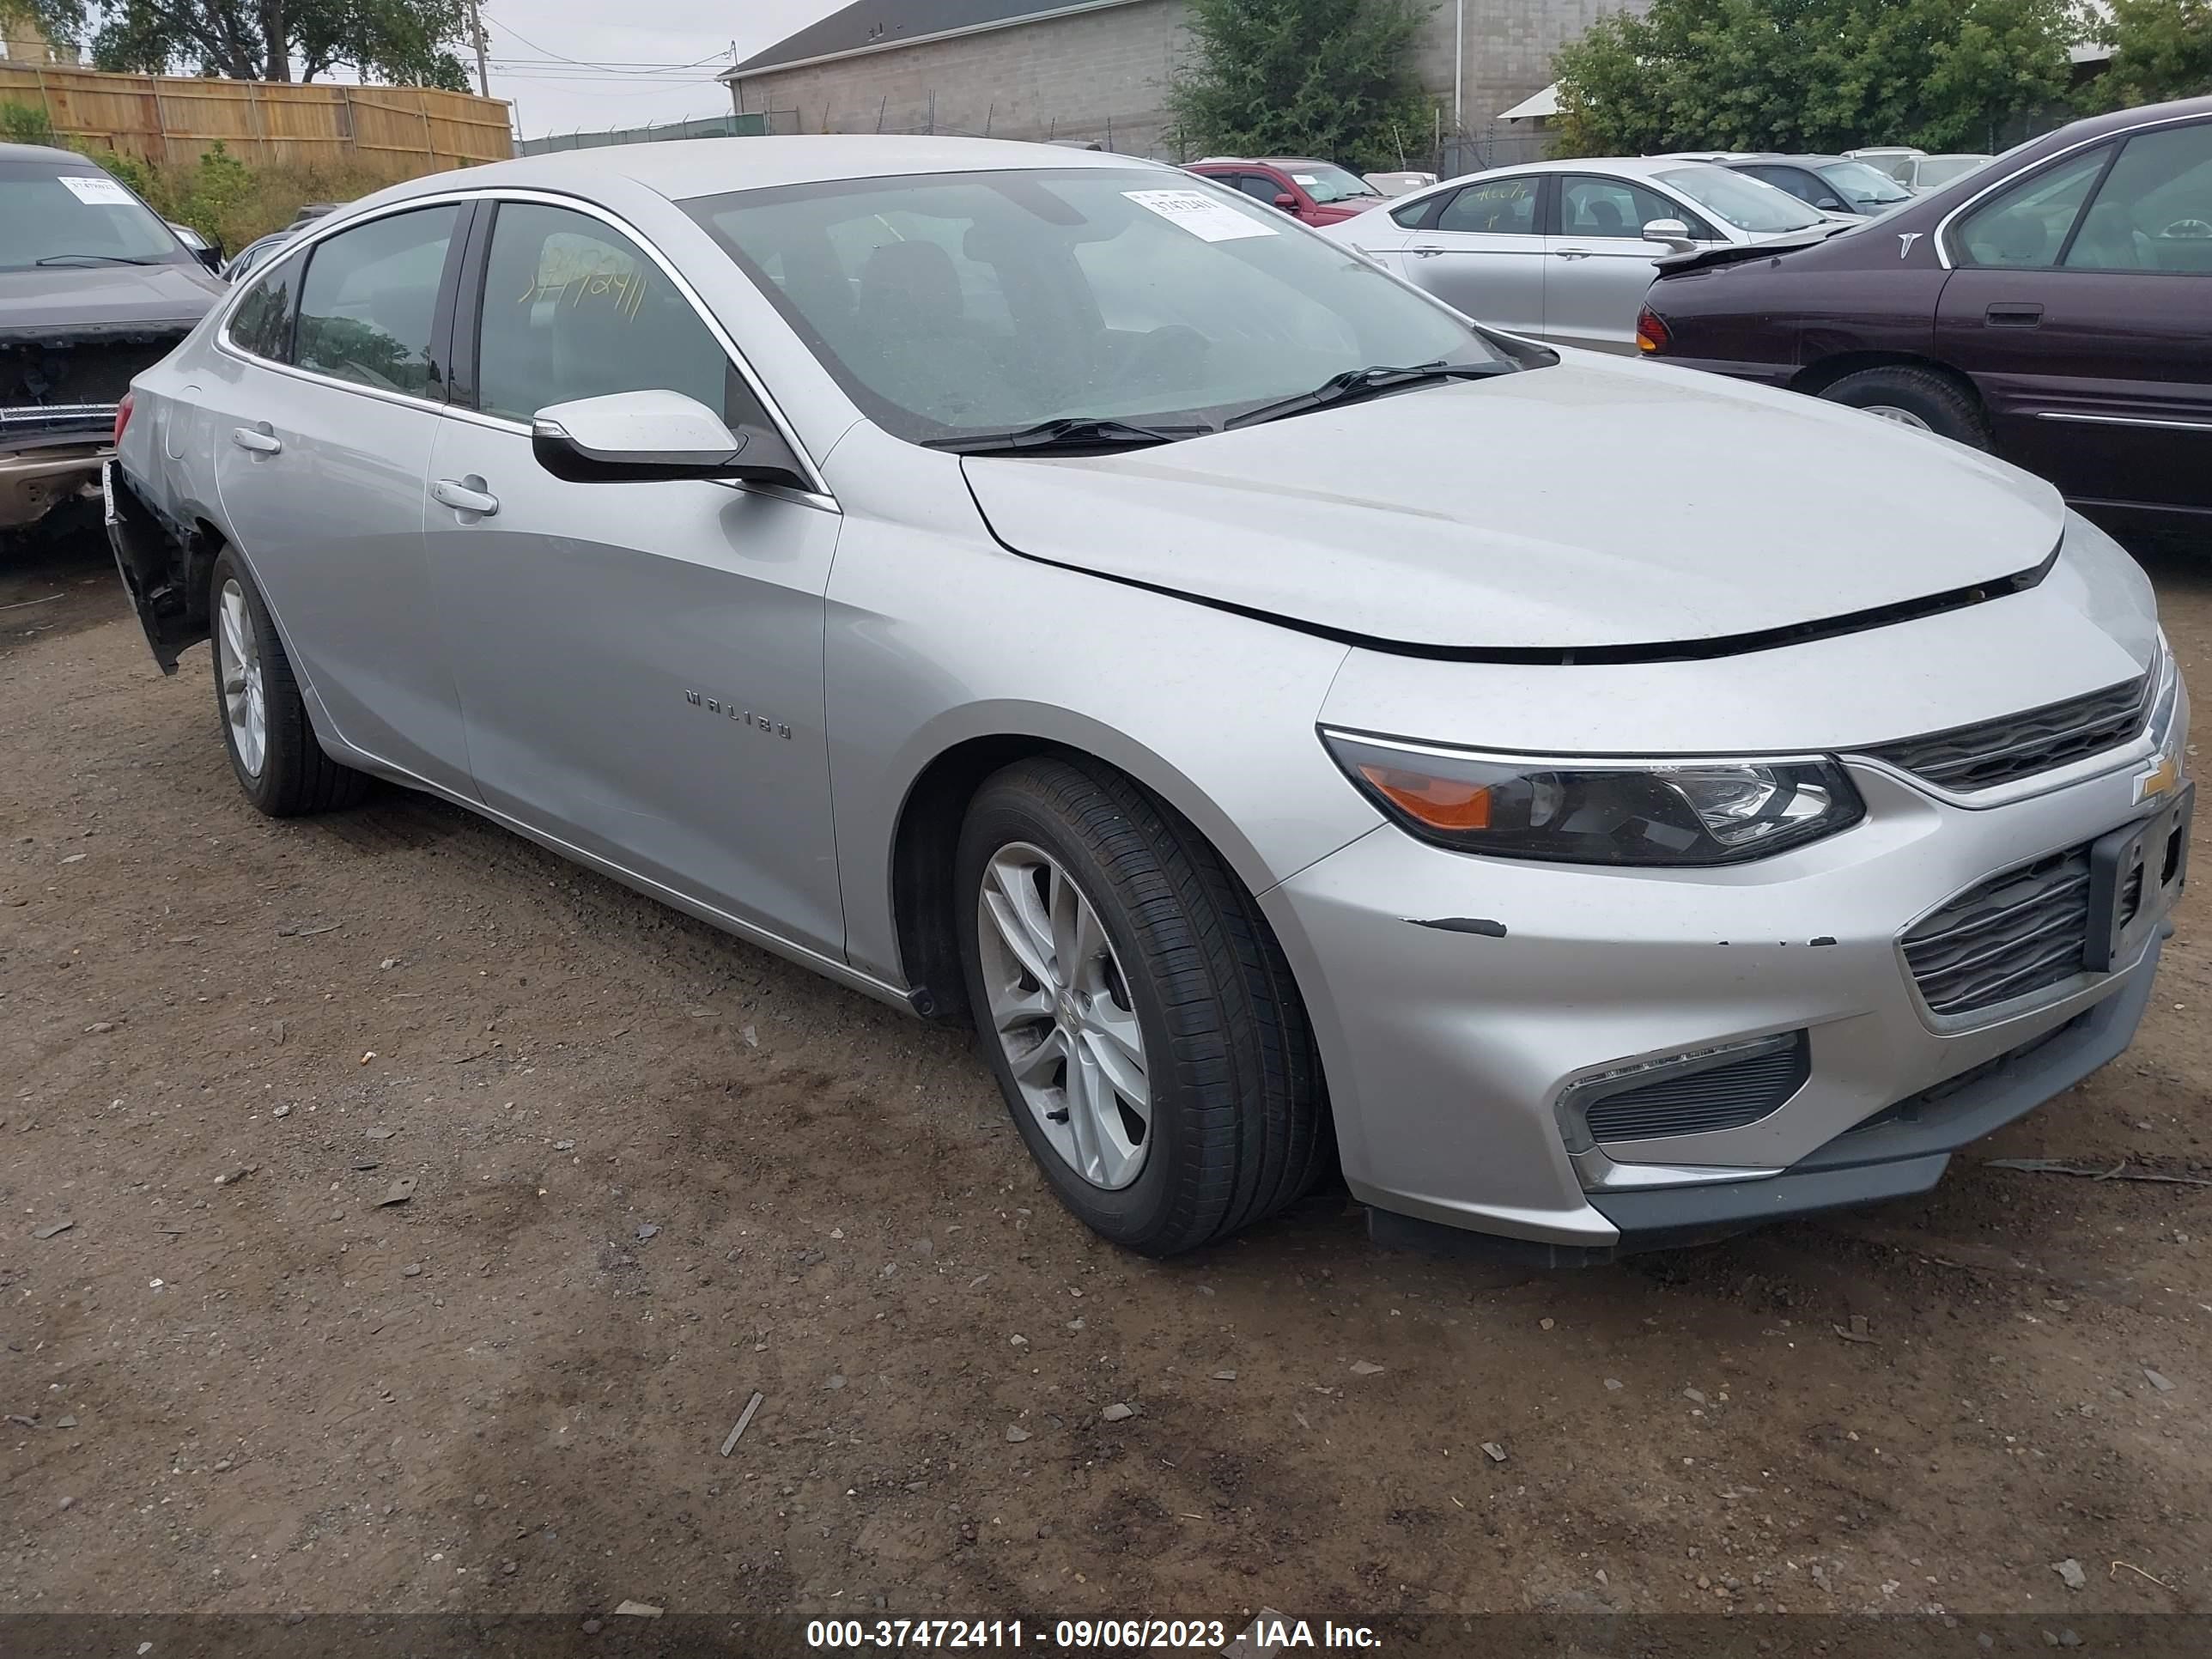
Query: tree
(2162, 49)
(1326, 78)
(1811, 75)
(409, 41)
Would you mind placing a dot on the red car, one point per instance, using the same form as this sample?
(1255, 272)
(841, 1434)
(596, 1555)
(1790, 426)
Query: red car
(2054, 306)
(1319, 193)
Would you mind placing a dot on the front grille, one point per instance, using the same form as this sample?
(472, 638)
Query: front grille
(1983, 756)
(1698, 1103)
(2012, 935)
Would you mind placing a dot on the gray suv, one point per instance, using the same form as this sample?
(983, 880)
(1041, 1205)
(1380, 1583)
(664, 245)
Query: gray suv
(93, 287)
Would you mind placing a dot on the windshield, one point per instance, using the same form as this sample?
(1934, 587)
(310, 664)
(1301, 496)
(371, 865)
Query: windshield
(1864, 187)
(951, 304)
(1943, 169)
(1750, 204)
(1327, 183)
(70, 217)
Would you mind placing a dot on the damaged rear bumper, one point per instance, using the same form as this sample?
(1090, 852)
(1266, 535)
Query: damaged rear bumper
(165, 574)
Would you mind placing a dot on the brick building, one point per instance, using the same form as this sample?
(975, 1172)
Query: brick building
(1098, 70)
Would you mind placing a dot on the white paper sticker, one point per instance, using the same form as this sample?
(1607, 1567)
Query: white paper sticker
(1204, 217)
(96, 188)
(1306, 179)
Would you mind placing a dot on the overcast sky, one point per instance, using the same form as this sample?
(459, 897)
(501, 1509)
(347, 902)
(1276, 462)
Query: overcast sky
(574, 65)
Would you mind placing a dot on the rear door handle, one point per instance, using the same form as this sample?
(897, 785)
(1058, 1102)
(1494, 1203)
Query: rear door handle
(2013, 316)
(257, 439)
(1425, 252)
(1570, 252)
(465, 496)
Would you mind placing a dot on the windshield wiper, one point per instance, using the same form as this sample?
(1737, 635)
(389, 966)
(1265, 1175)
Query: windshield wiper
(1356, 383)
(1070, 432)
(97, 258)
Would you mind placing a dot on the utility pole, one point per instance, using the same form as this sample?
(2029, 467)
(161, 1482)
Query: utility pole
(1458, 66)
(477, 28)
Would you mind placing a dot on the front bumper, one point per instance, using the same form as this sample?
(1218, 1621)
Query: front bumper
(1448, 1050)
(43, 474)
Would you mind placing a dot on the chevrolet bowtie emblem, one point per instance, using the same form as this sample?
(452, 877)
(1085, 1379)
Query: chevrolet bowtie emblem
(2161, 779)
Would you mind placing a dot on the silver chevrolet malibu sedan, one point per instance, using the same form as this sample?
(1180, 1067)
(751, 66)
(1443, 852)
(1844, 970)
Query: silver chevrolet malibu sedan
(1295, 726)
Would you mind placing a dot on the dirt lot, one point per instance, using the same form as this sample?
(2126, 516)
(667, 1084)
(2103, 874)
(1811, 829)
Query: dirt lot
(654, 1172)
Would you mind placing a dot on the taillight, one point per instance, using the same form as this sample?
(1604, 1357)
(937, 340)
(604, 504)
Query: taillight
(122, 417)
(1651, 333)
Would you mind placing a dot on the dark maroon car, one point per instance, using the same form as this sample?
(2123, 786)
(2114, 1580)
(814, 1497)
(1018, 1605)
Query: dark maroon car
(2055, 306)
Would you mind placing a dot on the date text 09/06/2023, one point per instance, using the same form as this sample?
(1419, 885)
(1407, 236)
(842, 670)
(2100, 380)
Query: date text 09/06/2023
(1270, 1633)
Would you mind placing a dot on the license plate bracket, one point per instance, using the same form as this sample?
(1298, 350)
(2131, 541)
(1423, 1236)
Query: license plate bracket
(2135, 874)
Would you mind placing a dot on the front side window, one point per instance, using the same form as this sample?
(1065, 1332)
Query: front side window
(2154, 211)
(1260, 187)
(67, 215)
(1112, 295)
(572, 308)
(1863, 186)
(1798, 182)
(1502, 207)
(262, 325)
(368, 303)
(2026, 227)
(1758, 209)
(1597, 207)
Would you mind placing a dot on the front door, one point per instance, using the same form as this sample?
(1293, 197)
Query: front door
(322, 429)
(2082, 307)
(1482, 254)
(640, 663)
(1601, 266)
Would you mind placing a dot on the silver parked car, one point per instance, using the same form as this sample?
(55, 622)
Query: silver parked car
(1043, 590)
(1565, 251)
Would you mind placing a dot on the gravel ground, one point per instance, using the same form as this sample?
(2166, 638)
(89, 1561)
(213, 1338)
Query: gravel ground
(649, 1171)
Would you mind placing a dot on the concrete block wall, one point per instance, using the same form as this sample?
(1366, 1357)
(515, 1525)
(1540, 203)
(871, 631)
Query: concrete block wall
(1080, 76)
(1067, 77)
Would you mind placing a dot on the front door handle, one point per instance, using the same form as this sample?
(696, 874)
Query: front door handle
(1425, 252)
(2013, 316)
(465, 495)
(1570, 252)
(259, 439)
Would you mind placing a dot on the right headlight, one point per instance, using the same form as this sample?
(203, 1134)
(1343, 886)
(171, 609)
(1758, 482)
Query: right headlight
(1677, 813)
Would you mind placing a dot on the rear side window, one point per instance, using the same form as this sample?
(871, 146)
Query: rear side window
(1503, 207)
(572, 308)
(2027, 226)
(262, 325)
(369, 304)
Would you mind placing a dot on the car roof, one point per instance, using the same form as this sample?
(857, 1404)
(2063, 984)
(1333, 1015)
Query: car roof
(1788, 161)
(48, 155)
(682, 168)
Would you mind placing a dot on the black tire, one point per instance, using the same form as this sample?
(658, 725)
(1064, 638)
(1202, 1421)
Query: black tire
(1239, 1126)
(296, 777)
(1934, 398)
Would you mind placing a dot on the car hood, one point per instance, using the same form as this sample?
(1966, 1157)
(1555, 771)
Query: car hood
(95, 298)
(1587, 505)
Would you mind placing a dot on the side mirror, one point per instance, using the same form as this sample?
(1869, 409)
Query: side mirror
(1832, 204)
(211, 256)
(1288, 203)
(637, 436)
(1672, 232)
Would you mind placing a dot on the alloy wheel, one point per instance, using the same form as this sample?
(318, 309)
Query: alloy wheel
(245, 703)
(1060, 1011)
(1892, 412)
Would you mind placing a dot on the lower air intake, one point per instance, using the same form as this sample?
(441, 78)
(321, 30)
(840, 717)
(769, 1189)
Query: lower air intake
(1694, 1098)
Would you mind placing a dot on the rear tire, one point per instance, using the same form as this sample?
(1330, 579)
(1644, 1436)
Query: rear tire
(272, 747)
(1140, 930)
(1922, 398)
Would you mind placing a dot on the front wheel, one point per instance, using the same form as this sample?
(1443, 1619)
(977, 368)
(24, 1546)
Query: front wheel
(273, 748)
(1137, 1011)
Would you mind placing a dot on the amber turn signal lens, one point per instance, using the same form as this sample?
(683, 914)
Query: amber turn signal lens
(1440, 803)
(1652, 333)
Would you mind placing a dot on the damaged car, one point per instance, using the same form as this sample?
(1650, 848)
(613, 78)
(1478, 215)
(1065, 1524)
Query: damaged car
(1296, 727)
(93, 287)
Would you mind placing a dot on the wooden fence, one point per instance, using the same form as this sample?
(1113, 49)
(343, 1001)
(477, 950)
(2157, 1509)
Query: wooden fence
(399, 131)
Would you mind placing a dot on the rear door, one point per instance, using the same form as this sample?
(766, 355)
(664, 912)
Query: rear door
(1483, 253)
(320, 409)
(2082, 307)
(640, 664)
(1600, 265)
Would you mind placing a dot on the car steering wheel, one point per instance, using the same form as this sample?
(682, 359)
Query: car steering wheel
(2187, 230)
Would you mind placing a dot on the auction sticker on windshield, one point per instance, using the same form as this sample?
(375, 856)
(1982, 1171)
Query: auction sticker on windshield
(1200, 215)
(101, 191)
